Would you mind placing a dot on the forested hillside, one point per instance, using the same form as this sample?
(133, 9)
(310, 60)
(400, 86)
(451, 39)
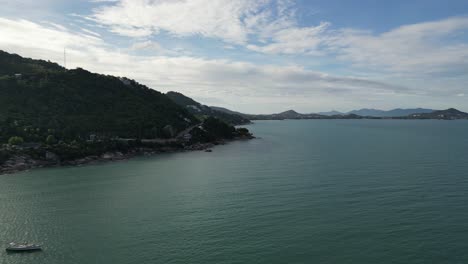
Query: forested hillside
(39, 98)
(203, 111)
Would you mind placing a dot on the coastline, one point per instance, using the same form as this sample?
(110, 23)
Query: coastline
(24, 162)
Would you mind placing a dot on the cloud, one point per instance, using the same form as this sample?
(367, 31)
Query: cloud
(222, 19)
(271, 27)
(423, 62)
(232, 21)
(44, 41)
(87, 31)
(423, 48)
(295, 41)
(103, 1)
(417, 49)
(253, 86)
(146, 45)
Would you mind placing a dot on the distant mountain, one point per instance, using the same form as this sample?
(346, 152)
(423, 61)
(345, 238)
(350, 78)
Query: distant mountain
(415, 113)
(331, 113)
(203, 111)
(289, 114)
(449, 114)
(391, 113)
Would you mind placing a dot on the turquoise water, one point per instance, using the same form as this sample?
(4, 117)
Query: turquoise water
(318, 191)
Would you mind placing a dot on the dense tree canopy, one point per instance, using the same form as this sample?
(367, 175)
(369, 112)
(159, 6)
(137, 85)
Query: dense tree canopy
(50, 113)
(78, 103)
(203, 111)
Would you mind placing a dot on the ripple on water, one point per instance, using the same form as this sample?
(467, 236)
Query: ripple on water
(337, 191)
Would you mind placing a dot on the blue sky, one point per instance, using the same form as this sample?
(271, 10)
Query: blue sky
(259, 56)
(381, 16)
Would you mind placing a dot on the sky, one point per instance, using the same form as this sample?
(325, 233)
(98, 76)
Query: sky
(259, 56)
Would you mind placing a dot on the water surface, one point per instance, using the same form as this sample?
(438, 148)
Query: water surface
(318, 191)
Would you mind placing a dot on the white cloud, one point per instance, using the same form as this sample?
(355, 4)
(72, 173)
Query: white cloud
(270, 27)
(412, 50)
(47, 42)
(423, 48)
(295, 40)
(146, 45)
(254, 87)
(103, 1)
(222, 19)
(91, 32)
(129, 31)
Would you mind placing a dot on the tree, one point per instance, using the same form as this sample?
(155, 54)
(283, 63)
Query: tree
(243, 132)
(217, 128)
(50, 140)
(15, 140)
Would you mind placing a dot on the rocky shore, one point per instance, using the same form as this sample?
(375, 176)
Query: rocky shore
(23, 162)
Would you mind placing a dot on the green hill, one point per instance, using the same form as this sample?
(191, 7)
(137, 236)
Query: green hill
(203, 111)
(50, 115)
(48, 99)
(11, 64)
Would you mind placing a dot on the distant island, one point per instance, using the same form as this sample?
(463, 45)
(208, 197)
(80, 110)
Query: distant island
(53, 116)
(417, 113)
(382, 113)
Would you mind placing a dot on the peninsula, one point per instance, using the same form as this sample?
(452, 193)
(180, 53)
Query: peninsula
(53, 116)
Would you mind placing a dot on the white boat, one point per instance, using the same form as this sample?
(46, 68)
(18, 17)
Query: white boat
(23, 247)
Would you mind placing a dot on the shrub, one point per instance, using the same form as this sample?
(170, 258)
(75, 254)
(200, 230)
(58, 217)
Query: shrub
(50, 140)
(15, 140)
(217, 128)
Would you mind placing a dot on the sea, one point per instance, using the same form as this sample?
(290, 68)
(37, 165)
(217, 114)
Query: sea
(303, 191)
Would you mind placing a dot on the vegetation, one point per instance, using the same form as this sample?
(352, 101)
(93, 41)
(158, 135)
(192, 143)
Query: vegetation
(76, 104)
(11, 64)
(214, 129)
(217, 128)
(15, 140)
(203, 111)
(50, 113)
(243, 132)
(50, 140)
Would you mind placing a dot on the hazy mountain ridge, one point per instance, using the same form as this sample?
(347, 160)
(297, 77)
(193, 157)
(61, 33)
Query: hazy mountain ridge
(202, 111)
(448, 114)
(290, 114)
(331, 113)
(390, 113)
